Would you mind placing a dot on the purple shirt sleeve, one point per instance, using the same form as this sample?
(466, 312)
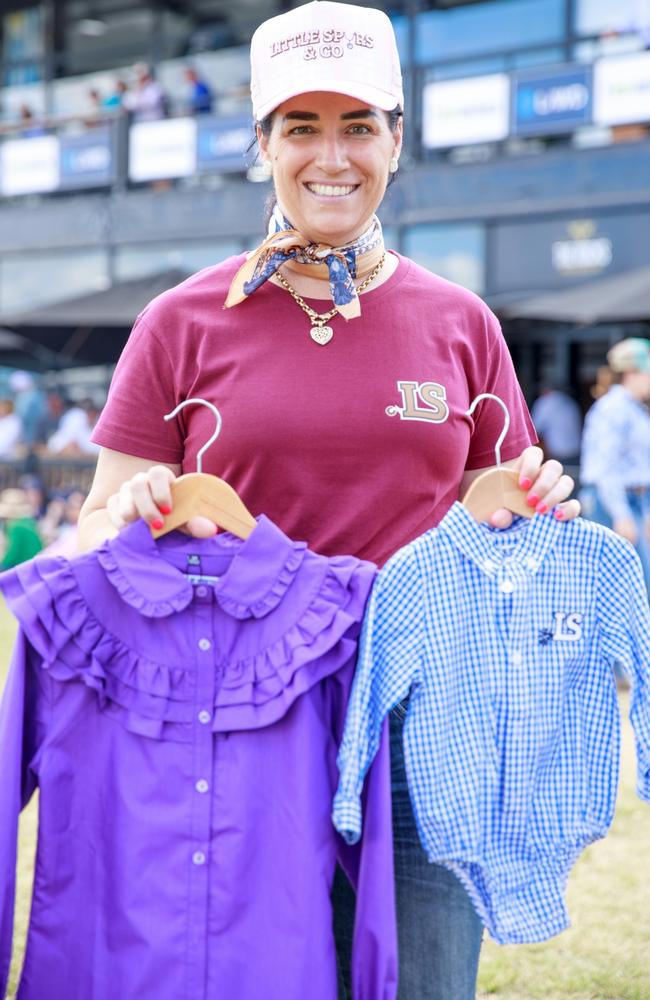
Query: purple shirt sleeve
(20, 709)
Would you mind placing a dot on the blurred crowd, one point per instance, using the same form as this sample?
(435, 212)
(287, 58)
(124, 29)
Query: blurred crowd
(45, 423)
(139, 96)
(35, 521)
(612, 447)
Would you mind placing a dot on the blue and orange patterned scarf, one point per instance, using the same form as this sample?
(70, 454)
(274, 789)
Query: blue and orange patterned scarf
(285, 243)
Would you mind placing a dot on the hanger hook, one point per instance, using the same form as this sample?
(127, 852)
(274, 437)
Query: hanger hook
(506, 420)
(217, 432)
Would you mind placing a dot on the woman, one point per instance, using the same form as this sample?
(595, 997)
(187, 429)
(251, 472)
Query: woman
(344, 419)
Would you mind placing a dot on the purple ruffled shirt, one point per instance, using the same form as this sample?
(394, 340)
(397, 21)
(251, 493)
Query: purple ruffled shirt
(183, 736)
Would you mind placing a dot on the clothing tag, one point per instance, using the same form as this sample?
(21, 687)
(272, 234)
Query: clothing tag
(194, 573)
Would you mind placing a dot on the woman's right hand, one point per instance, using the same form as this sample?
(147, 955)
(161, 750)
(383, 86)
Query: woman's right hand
(126, 487)
(148, 495)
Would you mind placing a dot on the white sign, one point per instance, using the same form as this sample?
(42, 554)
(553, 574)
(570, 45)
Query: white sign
(29, 166)
(622, 89)
(162, 149)
(458, 112)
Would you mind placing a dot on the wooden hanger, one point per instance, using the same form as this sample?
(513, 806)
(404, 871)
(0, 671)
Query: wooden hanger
(498, 487)
(198, 493)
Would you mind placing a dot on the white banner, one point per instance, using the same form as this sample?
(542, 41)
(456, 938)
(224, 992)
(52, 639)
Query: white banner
(622, 89)
(162, 149)
(459, 112)
(29, 166)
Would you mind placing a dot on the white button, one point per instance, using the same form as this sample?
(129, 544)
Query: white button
(517, 657)
(488, 565)
(201, 785)
(201, 591)
(204, 717)
(506, 587)
(204, 643)
(198, 858)
(531, 563)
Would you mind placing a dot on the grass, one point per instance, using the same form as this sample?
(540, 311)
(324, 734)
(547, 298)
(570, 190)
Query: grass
(604, 956)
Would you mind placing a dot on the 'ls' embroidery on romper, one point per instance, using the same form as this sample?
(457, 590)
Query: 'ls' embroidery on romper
(505, 641)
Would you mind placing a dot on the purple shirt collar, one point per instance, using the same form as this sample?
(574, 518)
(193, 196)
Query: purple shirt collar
(262, 568)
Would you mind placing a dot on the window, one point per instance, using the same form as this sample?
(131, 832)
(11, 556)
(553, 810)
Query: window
(138, 261)
(36, 279)
(498, 27)
(456, 252)
(595, 17)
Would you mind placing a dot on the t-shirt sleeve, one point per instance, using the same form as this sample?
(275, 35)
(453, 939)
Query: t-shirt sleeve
(496, 374)
(142, 390)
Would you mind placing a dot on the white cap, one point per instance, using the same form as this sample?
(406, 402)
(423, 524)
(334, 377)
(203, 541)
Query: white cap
(323, 45)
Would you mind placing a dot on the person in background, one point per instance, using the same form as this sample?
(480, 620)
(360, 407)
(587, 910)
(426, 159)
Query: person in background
(75, 428)
(11, 429)
(615, 458)
(63, 535)
(35, 494)
(114, 101)
(200, 95)
(558, 422)
(147, 102)
(29, 126)
(29, 404)
(21, 538)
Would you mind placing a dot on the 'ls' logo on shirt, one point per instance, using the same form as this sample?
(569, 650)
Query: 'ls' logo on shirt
(567, 627)
(421, 401)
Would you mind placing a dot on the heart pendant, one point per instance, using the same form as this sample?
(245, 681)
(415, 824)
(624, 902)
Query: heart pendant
(321, 334)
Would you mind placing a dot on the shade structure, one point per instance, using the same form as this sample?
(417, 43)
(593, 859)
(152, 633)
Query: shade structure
(618, 298)
(92, 328)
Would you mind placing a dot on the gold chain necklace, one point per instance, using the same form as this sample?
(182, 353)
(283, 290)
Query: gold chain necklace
(320, 333)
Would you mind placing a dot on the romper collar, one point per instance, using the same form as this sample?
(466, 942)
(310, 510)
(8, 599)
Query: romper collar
(527, 541)
(262, 568)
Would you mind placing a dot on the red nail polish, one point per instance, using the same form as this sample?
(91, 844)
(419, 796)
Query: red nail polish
(165, 508)
(532, 499)
(559, 515)
(157, 523)
(541, 508)
(525, 483)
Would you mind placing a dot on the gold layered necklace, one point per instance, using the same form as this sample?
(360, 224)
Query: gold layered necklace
(320, 333)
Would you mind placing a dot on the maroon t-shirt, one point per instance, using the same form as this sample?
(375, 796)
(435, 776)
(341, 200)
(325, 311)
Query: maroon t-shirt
(357, 446)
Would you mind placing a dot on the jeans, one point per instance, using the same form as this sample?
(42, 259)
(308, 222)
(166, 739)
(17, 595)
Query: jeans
(439, 931)
(640, 508)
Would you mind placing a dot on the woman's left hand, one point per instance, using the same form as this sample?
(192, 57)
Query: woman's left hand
(546, 484)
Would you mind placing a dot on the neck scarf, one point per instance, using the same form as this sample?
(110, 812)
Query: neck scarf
(284, 243)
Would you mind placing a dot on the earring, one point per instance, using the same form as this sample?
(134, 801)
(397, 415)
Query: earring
(393, 165)
(267, 168)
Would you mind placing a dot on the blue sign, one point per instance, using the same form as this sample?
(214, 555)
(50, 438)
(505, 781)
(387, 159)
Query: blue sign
(552, 101)
(223, 142)
(88, 160)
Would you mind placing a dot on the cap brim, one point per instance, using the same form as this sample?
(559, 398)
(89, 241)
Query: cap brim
(369, 95)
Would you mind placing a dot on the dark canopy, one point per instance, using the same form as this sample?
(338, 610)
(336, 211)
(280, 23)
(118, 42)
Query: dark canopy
(618, 298)
(92, 328)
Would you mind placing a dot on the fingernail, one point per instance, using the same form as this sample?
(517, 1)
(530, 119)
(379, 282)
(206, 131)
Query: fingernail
(541, 508)
(165, 508)
(525, 483)
(559, 514)
(532, 499)
(157, 523)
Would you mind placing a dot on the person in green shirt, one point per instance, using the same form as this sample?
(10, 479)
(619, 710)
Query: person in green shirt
(21, 538)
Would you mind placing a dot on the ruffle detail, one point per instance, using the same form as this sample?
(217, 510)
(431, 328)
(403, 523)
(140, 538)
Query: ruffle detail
(259, 690)
(160, 608)
(270, 601)
(157, 700)
(148, 698)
